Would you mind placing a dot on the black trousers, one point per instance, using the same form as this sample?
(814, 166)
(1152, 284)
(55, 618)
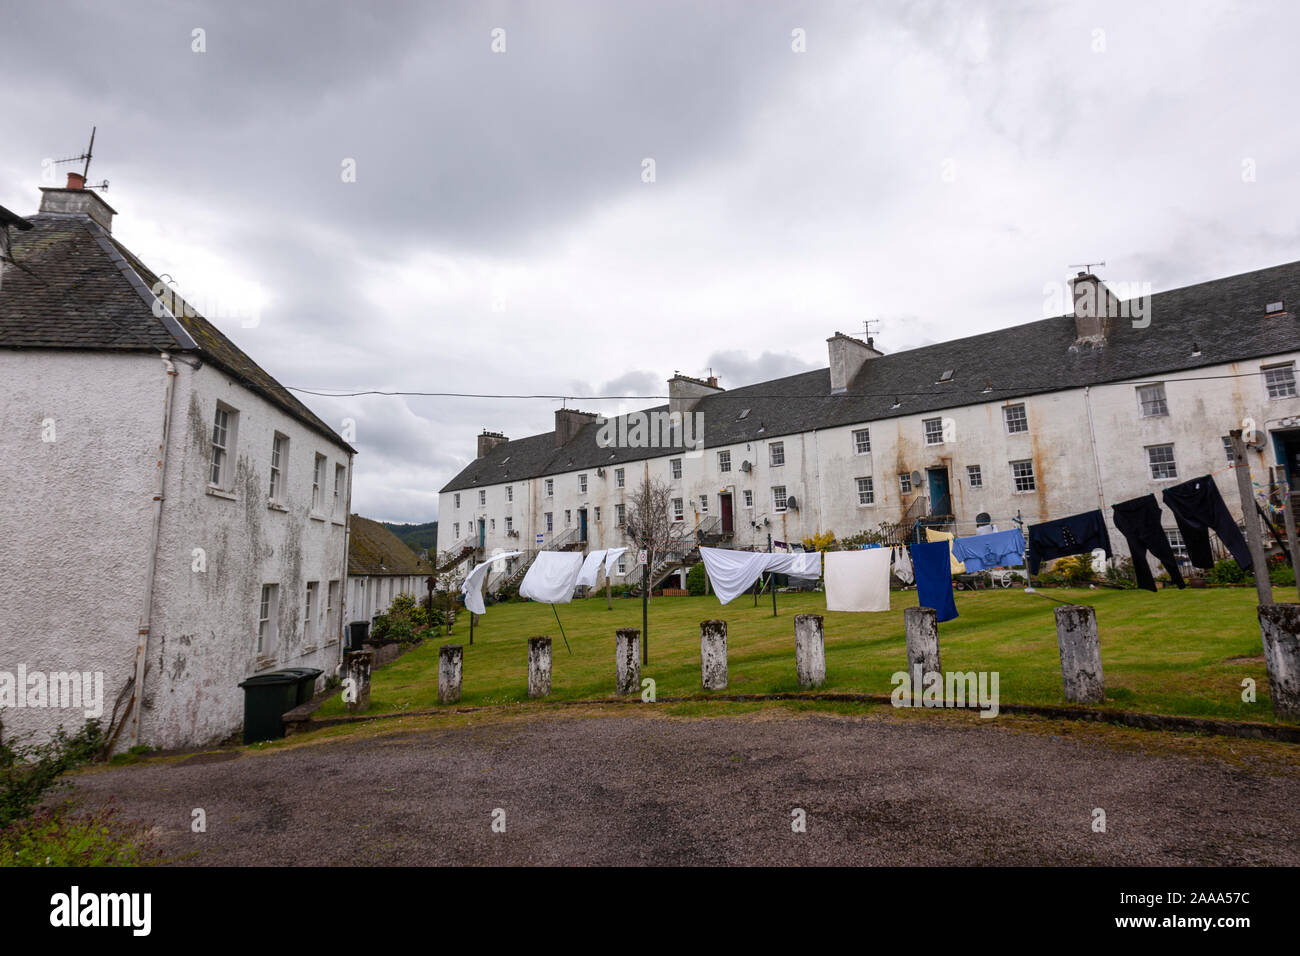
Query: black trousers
(1138, 520)
(1198, 508)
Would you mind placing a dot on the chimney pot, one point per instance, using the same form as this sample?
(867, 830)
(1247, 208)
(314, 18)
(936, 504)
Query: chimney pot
(76, 181)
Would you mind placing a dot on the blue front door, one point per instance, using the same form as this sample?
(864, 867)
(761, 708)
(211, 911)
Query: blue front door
(482, 532)
(582, 524)
(940, 500)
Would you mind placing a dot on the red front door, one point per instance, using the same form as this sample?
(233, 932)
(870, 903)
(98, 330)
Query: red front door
(724, 505)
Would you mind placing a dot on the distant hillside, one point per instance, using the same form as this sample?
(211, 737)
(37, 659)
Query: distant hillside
(417, 537)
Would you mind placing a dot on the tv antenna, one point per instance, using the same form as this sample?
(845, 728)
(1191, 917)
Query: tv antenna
(1086, 266)
(85, 158)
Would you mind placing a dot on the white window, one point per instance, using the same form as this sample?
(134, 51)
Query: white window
(975, 476)
(905, 483)
(510, 525)
(279, 459)
(862, 441)
(456, 499)
(618, 477)
(550, 487)
(620, 515)
(1015, 419)
(933, 431)
(778, 498)
(749, 498)
(510, 493)
(1280, 380)
(318, 484)
(223, 440)
(1160, 459)
(724, 461)
(550, 522)
(582, 484)
(679, 510)
(866, 491)
(622, 563)
(482, 497)
(1151, 398)
(674, 468)
(1022, 476)
(1177, 543)
(268, 611)
(704, 504)
(455, 530)
(310, 607)
(776, 454)
(340, 478)
(597, 514)
(331, 602)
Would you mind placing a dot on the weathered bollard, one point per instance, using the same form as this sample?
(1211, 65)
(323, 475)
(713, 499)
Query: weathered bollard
(627, 660)
(449, 673)
(922, 627)
(357, 676)
(1279, 624)
(809, 650)
(713, 655)
(1076, 636)
(539, 666)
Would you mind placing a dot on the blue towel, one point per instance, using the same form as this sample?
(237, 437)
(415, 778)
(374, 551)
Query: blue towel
(994, 550)
(933, 568)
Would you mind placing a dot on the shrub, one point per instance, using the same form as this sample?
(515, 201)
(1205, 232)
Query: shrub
(1121, 574)
(1075, 570)
(822, 541)
(1280, 573)
(29, 771)
(405, 622)
(696, 580)
(60, 837)
(1226, 572)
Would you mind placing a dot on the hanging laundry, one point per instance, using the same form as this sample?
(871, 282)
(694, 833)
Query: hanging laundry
(902, 565)
(552, 577)
(1138, 520)
(932, 563)
(932, 535)
(800, 564)
(472, 587)
(1198, 509)
(857, 580)
(731, 573)
(591, 569)
(998, 549)
(987, 529)
(1061, 537)
(611, 559)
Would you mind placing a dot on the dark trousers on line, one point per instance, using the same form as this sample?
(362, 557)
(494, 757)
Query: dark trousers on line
(1198, 508)
(1138, 520)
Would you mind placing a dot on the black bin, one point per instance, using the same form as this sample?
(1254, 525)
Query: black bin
(358, 631)
(266, 699)
(306, 681)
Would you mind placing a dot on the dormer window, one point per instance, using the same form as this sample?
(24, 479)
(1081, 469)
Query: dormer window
(1275, 308)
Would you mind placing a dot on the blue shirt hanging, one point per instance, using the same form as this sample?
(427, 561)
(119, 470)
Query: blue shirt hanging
(994, 550)
(933, 569)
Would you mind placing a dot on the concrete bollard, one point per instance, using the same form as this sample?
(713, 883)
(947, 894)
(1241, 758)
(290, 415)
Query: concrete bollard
(809, 650)
(713, 655)
(449, 673)
(357, 671)
(1279, 624)
(627, 660)
(922, 627)
(539, 666)
(1076, 636)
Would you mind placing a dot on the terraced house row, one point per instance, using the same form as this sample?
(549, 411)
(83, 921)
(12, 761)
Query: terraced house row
(1037, 421)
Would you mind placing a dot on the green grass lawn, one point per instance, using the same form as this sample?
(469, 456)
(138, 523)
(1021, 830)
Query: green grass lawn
(1173, 652)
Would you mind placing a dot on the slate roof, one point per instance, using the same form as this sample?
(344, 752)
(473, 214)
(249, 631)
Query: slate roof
(79, 288)
(373, 549)
(1224, 319)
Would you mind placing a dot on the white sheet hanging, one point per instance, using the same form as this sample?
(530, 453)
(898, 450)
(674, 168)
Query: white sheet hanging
(800, 564)
(857, 580)
(732, 572)
(590, 569)
(472, 587)
(552, 577)
(611, 559)
(903, 565)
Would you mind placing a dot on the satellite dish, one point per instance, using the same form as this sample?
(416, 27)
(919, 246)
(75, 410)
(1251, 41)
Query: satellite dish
(745, 466)
(916, 478)
(982, 519)
(791, 503)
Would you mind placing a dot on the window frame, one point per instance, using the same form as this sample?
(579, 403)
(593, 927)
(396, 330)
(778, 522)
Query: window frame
(279, 467)
(1023, 419)
(857, 449)
(974, 476)
(226, 419)
(675, 469)
(1269, 386)
(1016, 479)
(869, 490)
(724, 461)
(1170, 464)
(904, 482)
(775, 450)
(925, 429)
(268, 620)
(779, 501)
(1161, 404)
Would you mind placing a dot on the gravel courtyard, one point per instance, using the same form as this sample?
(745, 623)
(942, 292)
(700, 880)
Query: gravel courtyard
(625, 788)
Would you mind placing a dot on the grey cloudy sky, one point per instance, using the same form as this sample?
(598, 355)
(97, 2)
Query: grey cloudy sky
(930, 165)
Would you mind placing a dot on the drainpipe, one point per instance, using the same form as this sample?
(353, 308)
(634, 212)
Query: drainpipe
(343, 586)
(1092, 438)
(146, 607)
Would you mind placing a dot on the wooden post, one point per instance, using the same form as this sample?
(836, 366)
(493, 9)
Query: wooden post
(1279, 624)
(358, 671)
(1080, 647)
(450, 659)
(539, 666)
(713, 655)
(627, 666)
(809, 650)
(921, 625)
(1291, 541)
(1259, 565)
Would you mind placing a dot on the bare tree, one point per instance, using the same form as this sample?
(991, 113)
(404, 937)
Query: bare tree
(651, 528)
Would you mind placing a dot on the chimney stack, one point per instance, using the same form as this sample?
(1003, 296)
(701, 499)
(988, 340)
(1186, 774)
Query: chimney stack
(489, 440)
(76, 199)
(847, 356)
(568, 422)
(1095, 309)
(684, 392)
(76, 181)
